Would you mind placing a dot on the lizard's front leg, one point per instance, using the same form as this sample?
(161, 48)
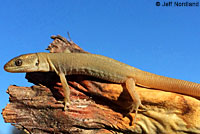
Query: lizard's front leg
(130, 85)
(65, 89)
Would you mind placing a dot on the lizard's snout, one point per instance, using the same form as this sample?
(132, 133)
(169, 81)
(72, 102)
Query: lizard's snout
(8, 67)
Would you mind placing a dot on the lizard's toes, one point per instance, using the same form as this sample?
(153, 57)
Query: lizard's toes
(60, 102)
(66, 105)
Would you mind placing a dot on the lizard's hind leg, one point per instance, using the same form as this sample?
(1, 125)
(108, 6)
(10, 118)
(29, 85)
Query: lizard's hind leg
(130, 85)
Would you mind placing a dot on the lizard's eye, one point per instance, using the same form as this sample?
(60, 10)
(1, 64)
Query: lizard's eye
(18, 62)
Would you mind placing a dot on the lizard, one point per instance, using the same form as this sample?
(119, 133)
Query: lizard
(100, 67)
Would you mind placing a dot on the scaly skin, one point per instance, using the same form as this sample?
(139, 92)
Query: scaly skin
(101, 67)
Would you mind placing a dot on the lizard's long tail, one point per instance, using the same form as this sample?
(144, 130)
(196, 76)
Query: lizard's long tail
(151, 80)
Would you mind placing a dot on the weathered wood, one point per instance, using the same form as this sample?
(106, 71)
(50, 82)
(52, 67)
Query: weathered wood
(61, 44)
(97, 106)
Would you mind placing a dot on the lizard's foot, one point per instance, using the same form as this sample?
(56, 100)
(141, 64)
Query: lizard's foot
(60, 102)
(66, 106)
(132, 108)
(136, 108)
(142, 108)
(139, 107)
(65, 103)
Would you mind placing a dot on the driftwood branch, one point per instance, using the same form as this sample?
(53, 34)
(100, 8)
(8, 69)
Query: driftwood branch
(97, 106)
(61, 44)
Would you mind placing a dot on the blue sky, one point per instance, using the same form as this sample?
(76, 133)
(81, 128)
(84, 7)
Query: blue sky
(161, 40)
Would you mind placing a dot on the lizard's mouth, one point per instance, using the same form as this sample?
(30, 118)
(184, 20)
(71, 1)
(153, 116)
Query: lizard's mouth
(7, 67)
(17, 69)
(12, 69)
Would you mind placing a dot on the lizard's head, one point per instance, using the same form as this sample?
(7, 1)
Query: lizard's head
(23, 63)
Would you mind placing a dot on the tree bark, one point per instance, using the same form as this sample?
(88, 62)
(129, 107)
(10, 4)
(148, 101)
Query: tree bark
(97, 106)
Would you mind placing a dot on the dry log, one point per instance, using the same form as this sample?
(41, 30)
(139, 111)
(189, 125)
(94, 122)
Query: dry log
(97, 107)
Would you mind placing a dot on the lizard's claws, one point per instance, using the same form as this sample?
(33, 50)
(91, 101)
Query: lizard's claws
(66, 104)
(60, 102)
